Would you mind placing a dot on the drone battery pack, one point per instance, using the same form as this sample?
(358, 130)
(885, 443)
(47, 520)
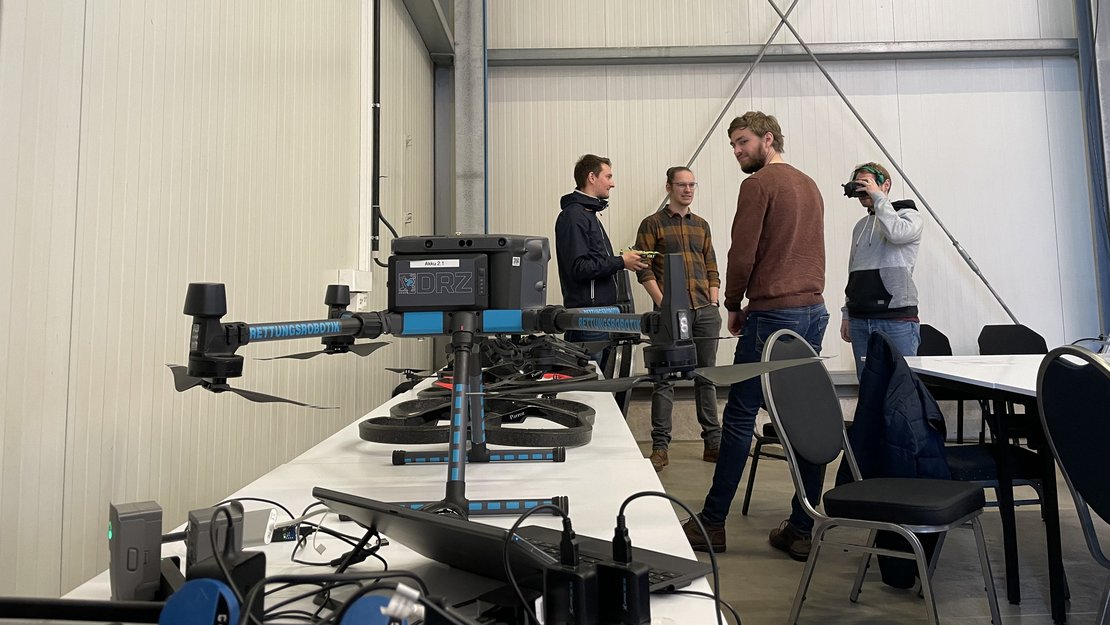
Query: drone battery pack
(198, 533)
(468, 272)
(135, 550)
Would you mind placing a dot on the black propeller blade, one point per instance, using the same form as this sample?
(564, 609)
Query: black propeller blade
(359, 349)
(182, 381)
(595, 346)
(729, 374)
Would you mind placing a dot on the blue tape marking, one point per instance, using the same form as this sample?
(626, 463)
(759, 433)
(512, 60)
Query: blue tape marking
(495, 457)
(455, 455)
(502, 321)
(549, 457)
(537, 456)
(414, 323)
(458, 402)
(474, 506)
(531, 504)
(455, 436)
(494, 506)
(510, 456)
(512, 505)
(454, 475)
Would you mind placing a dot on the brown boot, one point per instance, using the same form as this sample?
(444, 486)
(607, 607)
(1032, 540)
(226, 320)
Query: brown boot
(794, 543)
(711, 454)
(697, 539)
(659, 459)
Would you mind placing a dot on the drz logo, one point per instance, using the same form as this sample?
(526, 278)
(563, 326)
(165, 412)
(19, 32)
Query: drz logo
(441, 282)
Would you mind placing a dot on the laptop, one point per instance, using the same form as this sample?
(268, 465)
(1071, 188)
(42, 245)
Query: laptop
(480, 548)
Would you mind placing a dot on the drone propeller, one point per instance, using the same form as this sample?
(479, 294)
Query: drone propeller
(182, 381)
(729, 374)
(359, 349)
(594, 346)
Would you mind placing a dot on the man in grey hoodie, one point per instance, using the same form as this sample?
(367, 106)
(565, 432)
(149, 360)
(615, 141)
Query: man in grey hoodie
(881, 294)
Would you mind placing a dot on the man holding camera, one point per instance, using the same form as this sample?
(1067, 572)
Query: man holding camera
(777, 263)
(675, 229)
(881, 295)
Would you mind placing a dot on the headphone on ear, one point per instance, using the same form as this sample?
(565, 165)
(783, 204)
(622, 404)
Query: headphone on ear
(879, 177)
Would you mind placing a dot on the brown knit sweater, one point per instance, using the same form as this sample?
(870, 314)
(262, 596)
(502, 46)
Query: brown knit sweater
(777, 258)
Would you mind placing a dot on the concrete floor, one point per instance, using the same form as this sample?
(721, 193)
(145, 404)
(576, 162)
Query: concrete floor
(760, 582)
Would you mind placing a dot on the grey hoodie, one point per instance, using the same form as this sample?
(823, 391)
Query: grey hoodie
(880, 268)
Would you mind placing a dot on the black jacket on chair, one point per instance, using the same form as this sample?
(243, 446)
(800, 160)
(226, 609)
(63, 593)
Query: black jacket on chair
(898, 431)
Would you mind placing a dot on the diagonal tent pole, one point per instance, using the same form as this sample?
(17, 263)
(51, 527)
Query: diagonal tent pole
(890, 157)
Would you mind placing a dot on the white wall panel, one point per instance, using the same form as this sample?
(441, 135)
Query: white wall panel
(40, 92)
(958, 129)
(620, 23)
(148, 145)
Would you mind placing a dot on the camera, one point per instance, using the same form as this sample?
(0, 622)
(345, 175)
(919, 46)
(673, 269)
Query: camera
(854, 189)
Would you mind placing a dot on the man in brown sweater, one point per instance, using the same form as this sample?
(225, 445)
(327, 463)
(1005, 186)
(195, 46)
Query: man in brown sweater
(777, 263)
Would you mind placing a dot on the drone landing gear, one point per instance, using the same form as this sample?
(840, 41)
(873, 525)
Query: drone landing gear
(464, 402)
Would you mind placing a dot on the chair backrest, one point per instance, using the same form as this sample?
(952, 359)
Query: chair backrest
(933, 342)
(802, 401)
(1073, 393)
(1010, 339)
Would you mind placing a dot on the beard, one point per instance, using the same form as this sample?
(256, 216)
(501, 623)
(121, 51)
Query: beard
(755, 162)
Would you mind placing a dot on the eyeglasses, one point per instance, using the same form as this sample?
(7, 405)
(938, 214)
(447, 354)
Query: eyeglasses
(685, 185)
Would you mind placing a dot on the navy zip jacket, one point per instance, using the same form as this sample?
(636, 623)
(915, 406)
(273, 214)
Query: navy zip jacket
(898, 431)
(585, 256)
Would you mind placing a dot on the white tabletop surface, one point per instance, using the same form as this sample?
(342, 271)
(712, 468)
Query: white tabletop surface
(1014, 374)
(596, 477)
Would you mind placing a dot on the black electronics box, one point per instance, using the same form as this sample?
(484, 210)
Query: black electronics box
(468, 272)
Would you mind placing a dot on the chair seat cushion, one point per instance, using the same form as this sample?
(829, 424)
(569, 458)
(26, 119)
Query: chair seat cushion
(976, 463)
(907, 501)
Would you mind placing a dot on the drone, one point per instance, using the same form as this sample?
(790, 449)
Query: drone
(471, 288)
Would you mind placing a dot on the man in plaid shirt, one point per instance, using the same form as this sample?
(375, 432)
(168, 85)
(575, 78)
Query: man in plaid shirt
(671, 230)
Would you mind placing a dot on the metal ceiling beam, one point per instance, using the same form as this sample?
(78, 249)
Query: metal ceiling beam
(876, 51)
(435, 25)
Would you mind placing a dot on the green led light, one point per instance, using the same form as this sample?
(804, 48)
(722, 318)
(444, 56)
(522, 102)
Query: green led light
(109, 530)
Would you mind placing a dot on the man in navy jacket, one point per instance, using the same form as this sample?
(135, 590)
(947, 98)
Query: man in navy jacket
(587, 265)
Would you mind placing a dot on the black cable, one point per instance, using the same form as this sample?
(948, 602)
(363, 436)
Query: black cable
(421, 598)
(218, 552)
(306, 595)
(509, 542)
(244, 612)
(701, 528)
(699, 593)
(259, 499)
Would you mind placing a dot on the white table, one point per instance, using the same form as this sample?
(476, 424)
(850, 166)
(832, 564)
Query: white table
(596, 477)
(1012, 374)
(1014, 379)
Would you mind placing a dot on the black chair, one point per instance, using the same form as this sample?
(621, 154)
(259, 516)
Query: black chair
(1073, 391)
(763, 437)
(935, 343)
(1005, 340)
(806, 413)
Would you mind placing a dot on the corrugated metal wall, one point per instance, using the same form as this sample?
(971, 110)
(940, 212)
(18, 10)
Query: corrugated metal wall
(590, 24)
(146, 146)
(993, 144)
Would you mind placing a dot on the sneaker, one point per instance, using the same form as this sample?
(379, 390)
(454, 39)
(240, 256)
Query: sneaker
(659, 459)
(790, 540)
(697, 540)
(711, 454)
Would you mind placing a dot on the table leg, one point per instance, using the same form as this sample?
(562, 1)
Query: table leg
(1005, 492)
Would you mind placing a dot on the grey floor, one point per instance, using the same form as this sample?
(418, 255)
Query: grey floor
(760, 582)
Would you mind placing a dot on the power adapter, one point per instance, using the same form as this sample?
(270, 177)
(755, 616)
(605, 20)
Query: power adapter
(623, 585)
(570, 592)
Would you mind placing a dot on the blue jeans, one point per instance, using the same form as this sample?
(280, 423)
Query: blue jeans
(905, 335)
(745, 398)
